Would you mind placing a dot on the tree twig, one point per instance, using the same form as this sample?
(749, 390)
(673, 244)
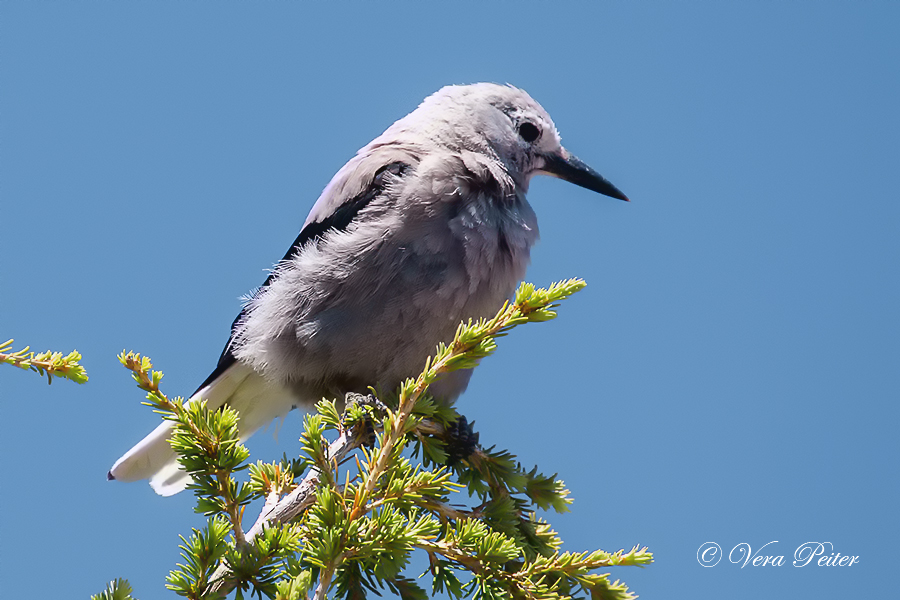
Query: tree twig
(287, 508)
(51, 364)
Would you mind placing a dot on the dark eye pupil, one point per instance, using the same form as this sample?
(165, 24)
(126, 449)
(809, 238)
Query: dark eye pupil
(529, 132)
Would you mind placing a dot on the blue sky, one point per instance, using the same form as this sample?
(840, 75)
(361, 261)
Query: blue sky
(729, 374)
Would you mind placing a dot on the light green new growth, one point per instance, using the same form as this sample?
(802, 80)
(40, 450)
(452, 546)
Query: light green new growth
(363, 514)
(52, 364)
(118, 589)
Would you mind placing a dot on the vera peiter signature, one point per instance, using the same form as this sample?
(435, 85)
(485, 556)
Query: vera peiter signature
(820, 554)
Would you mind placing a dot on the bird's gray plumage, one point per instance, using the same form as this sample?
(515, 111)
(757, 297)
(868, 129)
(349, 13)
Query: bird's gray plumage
(426, 226)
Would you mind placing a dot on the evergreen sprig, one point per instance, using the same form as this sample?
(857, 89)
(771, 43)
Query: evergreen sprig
(49, 363)
(117, 589)
(355, 523)
(207, 444)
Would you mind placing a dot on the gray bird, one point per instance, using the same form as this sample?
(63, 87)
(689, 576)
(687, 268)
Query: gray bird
(426, 226)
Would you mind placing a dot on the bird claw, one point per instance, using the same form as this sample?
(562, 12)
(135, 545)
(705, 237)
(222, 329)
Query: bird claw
(366, 430)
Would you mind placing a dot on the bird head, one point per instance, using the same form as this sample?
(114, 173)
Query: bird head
(505, 124)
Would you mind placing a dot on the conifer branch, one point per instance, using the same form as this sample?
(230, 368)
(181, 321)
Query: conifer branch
(201, 443)
(336, 532)
(51, 364)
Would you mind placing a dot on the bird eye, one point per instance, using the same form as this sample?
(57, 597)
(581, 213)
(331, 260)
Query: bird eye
(529, 132)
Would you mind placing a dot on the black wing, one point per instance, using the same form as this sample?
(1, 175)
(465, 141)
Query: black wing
(339, 220)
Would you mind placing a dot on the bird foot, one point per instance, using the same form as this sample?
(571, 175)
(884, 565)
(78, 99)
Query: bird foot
(366, 433)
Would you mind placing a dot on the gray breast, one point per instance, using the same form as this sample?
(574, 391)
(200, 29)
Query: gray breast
(367, 305)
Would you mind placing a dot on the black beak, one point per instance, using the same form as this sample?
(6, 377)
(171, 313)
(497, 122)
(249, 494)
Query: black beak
(571, 169)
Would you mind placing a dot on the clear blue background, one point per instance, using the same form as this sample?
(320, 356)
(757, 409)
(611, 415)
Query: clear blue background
(729, 375)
